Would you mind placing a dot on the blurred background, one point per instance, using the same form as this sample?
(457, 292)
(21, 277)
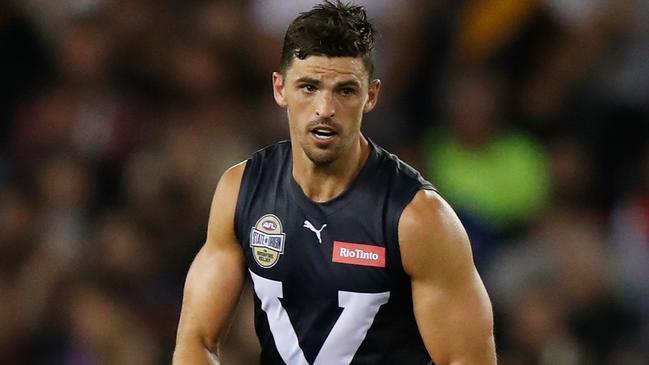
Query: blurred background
(118, 116)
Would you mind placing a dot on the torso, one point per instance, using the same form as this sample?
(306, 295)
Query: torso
(329, 284)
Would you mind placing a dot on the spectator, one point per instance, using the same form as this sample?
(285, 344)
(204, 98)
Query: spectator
(495, 176)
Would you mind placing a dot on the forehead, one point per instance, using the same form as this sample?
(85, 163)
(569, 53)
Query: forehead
(323, 67)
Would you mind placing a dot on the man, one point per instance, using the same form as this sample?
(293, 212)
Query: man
(353, 256)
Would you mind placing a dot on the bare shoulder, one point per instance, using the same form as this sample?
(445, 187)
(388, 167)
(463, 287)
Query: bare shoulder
(431, 237)
(231, 178)
(224, 202)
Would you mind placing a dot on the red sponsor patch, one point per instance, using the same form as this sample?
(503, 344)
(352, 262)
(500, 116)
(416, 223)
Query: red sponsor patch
(358, 254)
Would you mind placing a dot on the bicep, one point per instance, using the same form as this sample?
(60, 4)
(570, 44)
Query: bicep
(212, 289)
(451, 305)
(455, 322)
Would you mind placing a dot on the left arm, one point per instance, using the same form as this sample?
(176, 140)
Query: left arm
(451, 305)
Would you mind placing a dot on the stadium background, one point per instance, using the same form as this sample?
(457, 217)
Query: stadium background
(118, 116)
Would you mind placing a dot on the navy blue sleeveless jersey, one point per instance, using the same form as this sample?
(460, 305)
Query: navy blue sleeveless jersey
(329, 284)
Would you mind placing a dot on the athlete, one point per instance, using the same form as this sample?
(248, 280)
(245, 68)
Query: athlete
(354, 257)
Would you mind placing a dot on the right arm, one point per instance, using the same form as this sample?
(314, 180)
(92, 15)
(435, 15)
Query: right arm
(214, 281)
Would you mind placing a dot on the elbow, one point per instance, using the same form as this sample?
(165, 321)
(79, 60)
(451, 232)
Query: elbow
(192, 345)
(210, 343)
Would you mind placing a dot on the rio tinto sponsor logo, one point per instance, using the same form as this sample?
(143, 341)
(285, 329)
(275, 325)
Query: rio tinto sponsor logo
(348, 253)
(358, 254)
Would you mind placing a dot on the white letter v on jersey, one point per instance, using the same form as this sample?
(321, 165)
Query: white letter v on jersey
(346, 336)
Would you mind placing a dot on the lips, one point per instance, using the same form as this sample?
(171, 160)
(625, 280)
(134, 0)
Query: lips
(323, 133)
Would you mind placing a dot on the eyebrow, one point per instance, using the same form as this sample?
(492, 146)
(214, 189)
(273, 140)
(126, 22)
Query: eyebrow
(310, 80)
(307, 80)
(348, 83)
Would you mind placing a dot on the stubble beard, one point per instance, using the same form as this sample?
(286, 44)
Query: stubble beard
(321, 157)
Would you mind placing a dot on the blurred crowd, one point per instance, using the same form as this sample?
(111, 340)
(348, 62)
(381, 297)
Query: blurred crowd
(117, 118)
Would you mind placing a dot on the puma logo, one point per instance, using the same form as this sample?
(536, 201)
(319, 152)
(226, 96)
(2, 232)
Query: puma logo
(317, 232)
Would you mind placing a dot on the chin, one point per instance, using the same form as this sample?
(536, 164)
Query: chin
(321, 158)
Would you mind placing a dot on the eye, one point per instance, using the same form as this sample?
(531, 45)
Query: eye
(309, 88)
(345, 91)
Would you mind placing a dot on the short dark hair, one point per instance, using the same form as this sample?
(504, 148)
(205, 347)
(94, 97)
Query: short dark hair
(331, 29)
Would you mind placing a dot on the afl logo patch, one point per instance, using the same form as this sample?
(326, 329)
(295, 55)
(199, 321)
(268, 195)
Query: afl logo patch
(267, 240)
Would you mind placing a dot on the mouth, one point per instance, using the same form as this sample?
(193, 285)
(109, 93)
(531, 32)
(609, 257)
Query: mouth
(323, 133)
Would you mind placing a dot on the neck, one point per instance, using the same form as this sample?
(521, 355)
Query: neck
(322, 183)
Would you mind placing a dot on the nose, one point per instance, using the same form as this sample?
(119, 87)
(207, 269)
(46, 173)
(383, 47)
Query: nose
(325, 107)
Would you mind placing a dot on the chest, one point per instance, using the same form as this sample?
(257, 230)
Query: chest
(315, 253)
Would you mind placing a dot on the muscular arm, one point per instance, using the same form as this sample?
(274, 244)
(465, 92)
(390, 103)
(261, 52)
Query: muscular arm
(451, 305)
(214, 281)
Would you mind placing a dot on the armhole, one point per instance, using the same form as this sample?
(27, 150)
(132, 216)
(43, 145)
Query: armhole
(241, 200)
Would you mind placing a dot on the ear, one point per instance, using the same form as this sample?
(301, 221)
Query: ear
(278, 89)
(372, 95)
